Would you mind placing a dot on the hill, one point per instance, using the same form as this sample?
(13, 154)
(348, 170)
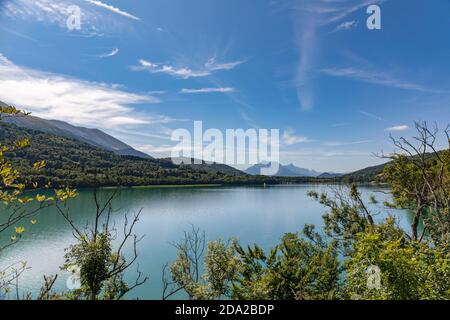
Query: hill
(284, 171)
(207, 166)
(330, 175)
(366, 175)
(94, 137)
(77, 164)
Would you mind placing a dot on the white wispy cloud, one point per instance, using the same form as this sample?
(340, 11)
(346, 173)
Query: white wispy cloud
(60, 97)
(347, 25)
(157, 92)
(164, 149)
(185, 72)
(339, 124)
(113, 9)
(332, 11)
(306, 38)
(343, 143)
(108, 54)
(208, 90)
(379, 78)
(373, 116)
(112, 53)
(40, 10)
(392, 127)
(309, 17)
(213, 65)
(97, 18)
(398, 128)
(290, 138)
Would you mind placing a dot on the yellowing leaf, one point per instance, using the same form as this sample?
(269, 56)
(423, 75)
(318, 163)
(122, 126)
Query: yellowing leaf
(19, 230)
(39, 165)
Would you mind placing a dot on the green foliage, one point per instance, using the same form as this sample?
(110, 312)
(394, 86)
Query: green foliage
(220, 265)
(298, 268)
(366, 175)
(93, 257)
(409, 271)
(15, 208)
(100, 278)
(101, 265)
(347, 216)
(420, 181)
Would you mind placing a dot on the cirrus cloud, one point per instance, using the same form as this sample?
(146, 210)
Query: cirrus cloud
(208, 90)
(112, 9)
(98, 18)
(378, 78)
(347, 25)
(207, 69)
(397, 128)
(290, 138)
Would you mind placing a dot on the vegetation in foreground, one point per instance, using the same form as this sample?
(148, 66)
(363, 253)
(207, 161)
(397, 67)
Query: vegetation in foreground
(354, 257)
(97, 265)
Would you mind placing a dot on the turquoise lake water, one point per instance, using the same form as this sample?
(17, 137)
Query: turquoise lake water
(250, 214)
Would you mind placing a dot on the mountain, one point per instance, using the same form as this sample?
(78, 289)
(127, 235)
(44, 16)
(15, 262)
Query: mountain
(283, 171)
(330, 175)
(207, 166)
(374, 173)
(78, 164)
(93, 137)
(367, 174)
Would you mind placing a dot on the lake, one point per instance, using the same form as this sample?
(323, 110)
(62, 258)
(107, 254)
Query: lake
(250, 214)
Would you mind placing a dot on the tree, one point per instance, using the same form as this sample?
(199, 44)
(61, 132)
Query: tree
(102, 267)
(220, 264)
(298, 268)
(348, 215)
(419, 176)
(407, 270)
(301, 268)
(18, 208)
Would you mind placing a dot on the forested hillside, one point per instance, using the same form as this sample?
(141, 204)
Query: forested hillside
(76, 164)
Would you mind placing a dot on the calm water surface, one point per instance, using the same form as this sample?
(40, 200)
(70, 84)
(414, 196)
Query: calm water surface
(251, 214)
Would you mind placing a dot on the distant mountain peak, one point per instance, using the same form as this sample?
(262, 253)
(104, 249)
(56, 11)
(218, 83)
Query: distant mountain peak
(289, 170)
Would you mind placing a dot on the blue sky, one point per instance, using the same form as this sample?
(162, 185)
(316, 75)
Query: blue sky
(139, 69)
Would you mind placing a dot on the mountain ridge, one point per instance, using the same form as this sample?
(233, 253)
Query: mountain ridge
(289, 170)
(94, 137)
(78, 164)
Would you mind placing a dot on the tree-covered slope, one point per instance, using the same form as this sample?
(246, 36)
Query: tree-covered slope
(369, 174)
(94, 137)
(73, 163)
(70, 162)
